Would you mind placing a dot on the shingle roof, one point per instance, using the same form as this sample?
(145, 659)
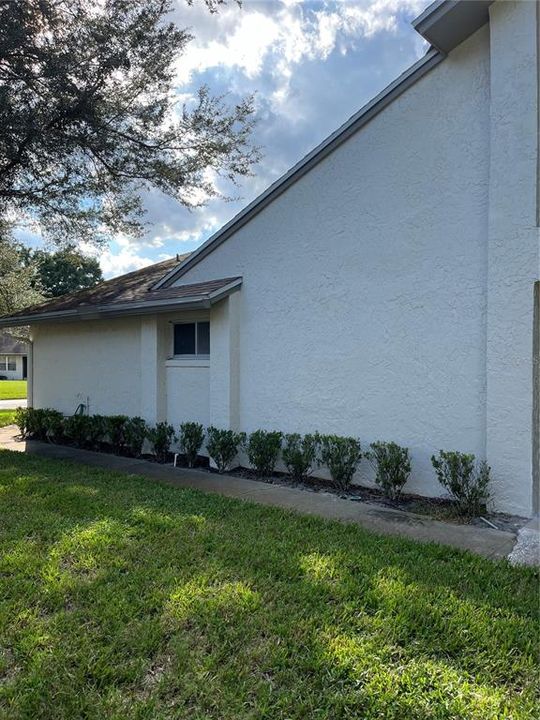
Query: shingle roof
(11, 346)
(134, 288)
(125, 288)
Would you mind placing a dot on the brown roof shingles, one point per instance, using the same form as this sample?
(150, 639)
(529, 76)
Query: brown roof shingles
(134, 287)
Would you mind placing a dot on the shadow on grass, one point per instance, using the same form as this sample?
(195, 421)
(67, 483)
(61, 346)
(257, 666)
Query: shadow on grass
(123, 598)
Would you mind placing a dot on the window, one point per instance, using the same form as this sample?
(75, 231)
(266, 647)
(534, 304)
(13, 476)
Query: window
(7, 363)
(192, 338)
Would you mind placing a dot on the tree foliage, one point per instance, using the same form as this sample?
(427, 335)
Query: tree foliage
(18, 286)
(29, 276)
(64, 271)
(89, 120)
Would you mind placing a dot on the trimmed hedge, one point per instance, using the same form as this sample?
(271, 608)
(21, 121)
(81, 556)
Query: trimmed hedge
(465, 480)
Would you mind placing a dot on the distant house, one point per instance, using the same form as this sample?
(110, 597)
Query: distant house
(386, 287)
(13, 358)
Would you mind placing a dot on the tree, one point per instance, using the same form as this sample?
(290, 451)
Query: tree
(18, 286)
(88, 119)
(64, 271)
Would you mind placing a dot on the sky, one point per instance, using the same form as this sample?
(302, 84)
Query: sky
(310, 64)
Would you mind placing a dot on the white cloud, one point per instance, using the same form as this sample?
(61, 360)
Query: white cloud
(242, 39)
(117, 262)
(311, 65)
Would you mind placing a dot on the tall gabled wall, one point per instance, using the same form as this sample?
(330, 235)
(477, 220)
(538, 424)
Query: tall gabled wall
(389, 292)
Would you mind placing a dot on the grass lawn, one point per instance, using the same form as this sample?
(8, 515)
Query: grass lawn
(120, 598)
(12, 389)
(7, 417)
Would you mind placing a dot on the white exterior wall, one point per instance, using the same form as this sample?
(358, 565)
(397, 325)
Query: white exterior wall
(513, 246)
(363, 309)
(16, 374)
(187, 380)
(121, 366)
(92, 359)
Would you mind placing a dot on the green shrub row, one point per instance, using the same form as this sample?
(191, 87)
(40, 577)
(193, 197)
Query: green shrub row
(465, 480)
(124, 434)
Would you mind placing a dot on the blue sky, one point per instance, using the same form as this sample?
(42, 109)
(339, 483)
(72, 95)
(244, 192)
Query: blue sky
(311, 64)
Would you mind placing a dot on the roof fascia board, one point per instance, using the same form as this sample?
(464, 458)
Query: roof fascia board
(220, 293)
(22, 320)
(142, 307)
(447, 23)
(113, 310)
(432, 58)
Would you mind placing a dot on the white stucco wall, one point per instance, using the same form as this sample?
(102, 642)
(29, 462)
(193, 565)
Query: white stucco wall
(513, 249)
(188, 396)
(363, 305)
(92, 359)
(186, 382)
(121, 366)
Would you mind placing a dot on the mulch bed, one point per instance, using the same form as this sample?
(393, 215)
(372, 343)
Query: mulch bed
(438, 508)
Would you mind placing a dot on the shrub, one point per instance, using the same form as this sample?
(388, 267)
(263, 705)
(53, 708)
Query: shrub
(96, 429)
(262, 449)
(115, 425)
(466, 481)
(54, 421)
(161, 437)
(21, 420)
(222, 446)
(134, 434)
(342, 456)
(77, 429)
(191, 439)
(392, 466)
(39, 423)
(35, 424)
(300, 454)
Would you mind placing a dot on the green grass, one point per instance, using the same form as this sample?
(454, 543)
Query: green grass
(7, 417)
(120, 598)
(12, 389)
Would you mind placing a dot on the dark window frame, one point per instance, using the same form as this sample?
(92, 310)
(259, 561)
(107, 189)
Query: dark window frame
(197, 339)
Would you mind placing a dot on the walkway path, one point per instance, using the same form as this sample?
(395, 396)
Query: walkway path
(12, 404)
(486, 542)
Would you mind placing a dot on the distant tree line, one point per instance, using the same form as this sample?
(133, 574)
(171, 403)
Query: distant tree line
(29, 276)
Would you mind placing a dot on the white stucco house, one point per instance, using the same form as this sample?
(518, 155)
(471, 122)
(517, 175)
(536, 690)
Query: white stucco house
(13, 358)
(385, 287)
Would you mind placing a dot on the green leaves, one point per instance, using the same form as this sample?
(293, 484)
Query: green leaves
(222, 446)
(392, 466)
(64, 271)
(263, 448)
(342, 456)
(135, 431)
(300, 454)
(191, 438)
(161, 436)
(88, 119)
(465, 480)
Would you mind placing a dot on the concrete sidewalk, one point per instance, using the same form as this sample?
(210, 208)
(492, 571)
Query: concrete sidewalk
(487, 542)
(12, 404)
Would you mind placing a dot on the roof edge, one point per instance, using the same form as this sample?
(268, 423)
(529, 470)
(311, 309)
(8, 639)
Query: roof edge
(447, 23)
(139, 307)
(366, 113)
